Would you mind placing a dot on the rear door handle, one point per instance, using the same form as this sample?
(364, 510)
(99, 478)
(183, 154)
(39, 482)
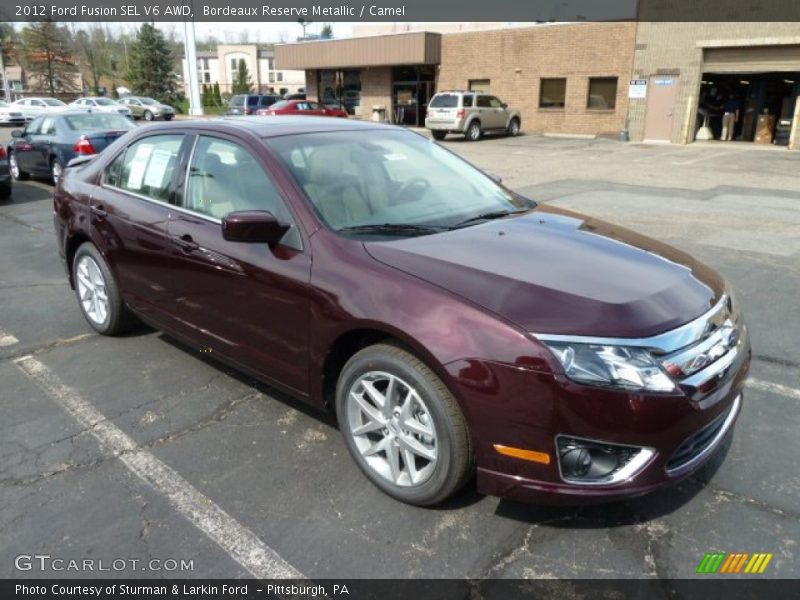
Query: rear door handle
(186, 243)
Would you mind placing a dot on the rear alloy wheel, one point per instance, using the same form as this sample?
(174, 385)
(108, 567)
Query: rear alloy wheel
(439, 135)
(474, 131)
(513, 128)
(56, 170)
(147, 116)
(98, 294)
(13, 166)
(402, 425)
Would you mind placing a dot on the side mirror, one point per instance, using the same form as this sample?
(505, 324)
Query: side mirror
(254, 227)
(504, 105)
(17, 133)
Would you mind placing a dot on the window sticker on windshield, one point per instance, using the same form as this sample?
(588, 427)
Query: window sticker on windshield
(154, 177)
(138, 165)
(395, 156)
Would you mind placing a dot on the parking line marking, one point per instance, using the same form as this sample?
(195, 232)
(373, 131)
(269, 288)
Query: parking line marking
(239, 542)
(775, 388)
(6, 339)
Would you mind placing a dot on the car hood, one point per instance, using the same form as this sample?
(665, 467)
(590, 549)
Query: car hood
(555, 271)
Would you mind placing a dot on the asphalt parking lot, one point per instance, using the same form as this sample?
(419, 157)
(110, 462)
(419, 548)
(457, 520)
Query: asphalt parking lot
(251, 470)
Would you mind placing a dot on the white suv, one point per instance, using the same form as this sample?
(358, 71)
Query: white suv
(470, 113)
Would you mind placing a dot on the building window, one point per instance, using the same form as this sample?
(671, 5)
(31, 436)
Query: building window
(234, 65)
(280, 76)
(270, 64)
(206, 77)
(480, 85)
(553, 93)
(271, 77)
(340, 88)
(602, 93)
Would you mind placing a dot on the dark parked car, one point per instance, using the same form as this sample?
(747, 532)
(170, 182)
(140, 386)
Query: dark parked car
(451, 324)
(45, 146)
(248, 104)
(5, 175)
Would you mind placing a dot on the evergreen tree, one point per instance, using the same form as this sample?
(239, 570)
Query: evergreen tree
(47, 58)
(205, 98)
(327, 32)
(241, 79)
(152, 66)
(217, 94)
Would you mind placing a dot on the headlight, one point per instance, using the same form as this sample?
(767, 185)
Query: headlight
(617, 366)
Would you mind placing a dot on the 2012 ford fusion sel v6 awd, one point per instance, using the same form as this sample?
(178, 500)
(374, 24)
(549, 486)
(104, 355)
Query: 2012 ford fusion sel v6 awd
(453, 326)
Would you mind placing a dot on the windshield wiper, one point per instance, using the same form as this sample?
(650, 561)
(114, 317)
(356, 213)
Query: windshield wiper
(394, 229)
(488, 216)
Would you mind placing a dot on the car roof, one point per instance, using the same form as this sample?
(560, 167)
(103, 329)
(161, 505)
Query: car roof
(274, 126)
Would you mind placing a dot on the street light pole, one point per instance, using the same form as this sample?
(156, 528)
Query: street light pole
(190, 51)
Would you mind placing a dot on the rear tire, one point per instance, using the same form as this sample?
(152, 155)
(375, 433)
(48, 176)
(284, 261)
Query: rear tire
(439, 135)
(474, 131)
(415, 445)
(16, 172)
(98, 295)
(168, 118)
(56, 170)
(5, 191)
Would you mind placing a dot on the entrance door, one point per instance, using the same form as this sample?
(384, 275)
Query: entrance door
(661, 95)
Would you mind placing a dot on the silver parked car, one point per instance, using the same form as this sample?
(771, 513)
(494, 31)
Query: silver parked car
(148, 109)
(470, 113)
(101, 104)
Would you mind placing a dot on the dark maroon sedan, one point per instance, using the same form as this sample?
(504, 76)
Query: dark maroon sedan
(451, 324)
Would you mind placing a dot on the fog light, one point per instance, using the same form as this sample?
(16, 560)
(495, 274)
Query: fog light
(592, 462)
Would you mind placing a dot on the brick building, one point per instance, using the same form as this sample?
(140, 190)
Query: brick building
(693, 69)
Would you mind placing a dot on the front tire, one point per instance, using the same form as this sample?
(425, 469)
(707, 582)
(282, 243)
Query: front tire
(13, 166)
(98, 294)
(147, 116)
(439, 135)
(474, 131)
(513, 127)
(402, 425)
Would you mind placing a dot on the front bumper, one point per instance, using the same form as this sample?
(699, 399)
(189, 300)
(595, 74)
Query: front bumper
(515, 408)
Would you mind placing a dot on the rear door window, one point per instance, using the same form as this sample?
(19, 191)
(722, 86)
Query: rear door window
(252, 101)
(483, 102)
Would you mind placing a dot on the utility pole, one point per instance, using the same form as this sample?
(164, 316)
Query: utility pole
(190, 51)
(5, 79)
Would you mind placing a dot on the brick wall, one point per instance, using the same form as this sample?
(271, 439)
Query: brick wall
(515, 60)
(676, 49)
(376, 89)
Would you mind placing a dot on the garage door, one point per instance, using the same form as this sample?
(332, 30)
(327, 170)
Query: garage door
(751, 59)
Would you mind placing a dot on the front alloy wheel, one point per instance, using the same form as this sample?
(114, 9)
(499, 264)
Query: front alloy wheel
(402, 425)
(13, 166)
(148, 116)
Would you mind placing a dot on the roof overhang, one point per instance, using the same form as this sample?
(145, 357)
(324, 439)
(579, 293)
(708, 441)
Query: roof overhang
(416, 48)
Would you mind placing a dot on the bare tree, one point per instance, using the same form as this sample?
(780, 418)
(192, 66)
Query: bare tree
(94, 48)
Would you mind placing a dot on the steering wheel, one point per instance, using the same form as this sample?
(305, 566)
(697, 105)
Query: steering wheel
(415, 182)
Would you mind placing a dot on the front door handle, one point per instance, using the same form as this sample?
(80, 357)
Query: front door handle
(186, 243)
(99, 211)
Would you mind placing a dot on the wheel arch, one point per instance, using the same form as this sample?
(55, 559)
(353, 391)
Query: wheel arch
(70, 248)
(349, 342)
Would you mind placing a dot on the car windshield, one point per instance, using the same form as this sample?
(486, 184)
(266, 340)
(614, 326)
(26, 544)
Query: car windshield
(95, 121)
(444, 101)
(279, 105)
(53, 102)
(380, 177)
(103, 102)
(147, 101)
(237, 100)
